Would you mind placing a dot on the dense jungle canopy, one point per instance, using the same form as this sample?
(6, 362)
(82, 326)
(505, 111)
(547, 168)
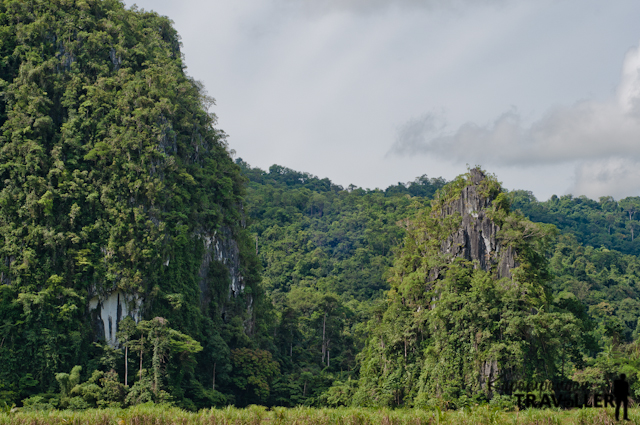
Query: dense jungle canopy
(264, 287)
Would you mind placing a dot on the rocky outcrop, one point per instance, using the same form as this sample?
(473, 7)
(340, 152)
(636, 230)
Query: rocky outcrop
(476, 238)
(223, 248)
(107, 311)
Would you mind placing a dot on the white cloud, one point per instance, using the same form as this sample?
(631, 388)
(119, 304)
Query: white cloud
(602, 136)
(321, 85)
(367, 6)
(617, 177)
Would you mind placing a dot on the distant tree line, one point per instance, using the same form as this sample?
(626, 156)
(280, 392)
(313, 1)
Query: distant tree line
(603, 223)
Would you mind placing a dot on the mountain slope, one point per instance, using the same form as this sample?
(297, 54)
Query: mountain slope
(470, 304)
(115, 187)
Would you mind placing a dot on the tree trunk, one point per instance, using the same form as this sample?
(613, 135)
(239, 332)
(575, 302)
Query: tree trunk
(214, 377)
(324, 326)
(156, 365)
(562, 370)
(141, 346)
(126, 365)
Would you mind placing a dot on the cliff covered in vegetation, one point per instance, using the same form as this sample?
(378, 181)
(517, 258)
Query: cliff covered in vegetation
(470, 304)
(117, 197)
(319, 242)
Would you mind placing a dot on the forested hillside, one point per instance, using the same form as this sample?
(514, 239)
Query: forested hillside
(481, 294)
(591, 293)
(324, 251)
(604, 223)
(139, 263)
(310, 232)
(115, 190)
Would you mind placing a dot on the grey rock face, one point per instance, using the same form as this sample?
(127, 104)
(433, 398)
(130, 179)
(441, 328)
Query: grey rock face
(109, 309)
(476, 238)
(223, 248)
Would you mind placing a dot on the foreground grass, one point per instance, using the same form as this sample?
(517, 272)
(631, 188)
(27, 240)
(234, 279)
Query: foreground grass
(255, 415)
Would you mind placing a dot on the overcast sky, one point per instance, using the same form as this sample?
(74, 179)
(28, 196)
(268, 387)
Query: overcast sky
(543, 93)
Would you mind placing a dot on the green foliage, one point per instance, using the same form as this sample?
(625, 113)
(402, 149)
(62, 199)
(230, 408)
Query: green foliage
(100, 390)
(165, 343)
(313, 233)
(112, 177)
(473, 415)
(68, 381)
(450, 329)
(603, 281)
(606, 223)
(143, 391)
(340, 394)
(324, 252)
(44, 402)
(600, 286)
(104, 389)
(254, 372)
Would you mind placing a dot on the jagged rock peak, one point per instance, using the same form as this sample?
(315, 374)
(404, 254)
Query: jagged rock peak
(476, 238)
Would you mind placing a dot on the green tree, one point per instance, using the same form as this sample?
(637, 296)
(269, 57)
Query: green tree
(166, 342)
(631, 205)
(126, 331)
(254, 372)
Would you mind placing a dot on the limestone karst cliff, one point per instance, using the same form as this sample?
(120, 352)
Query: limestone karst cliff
(220, 252)
(477, 237)
(118, 194)
(468, 302)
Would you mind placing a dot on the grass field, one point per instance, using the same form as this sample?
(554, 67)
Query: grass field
(255, 415)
